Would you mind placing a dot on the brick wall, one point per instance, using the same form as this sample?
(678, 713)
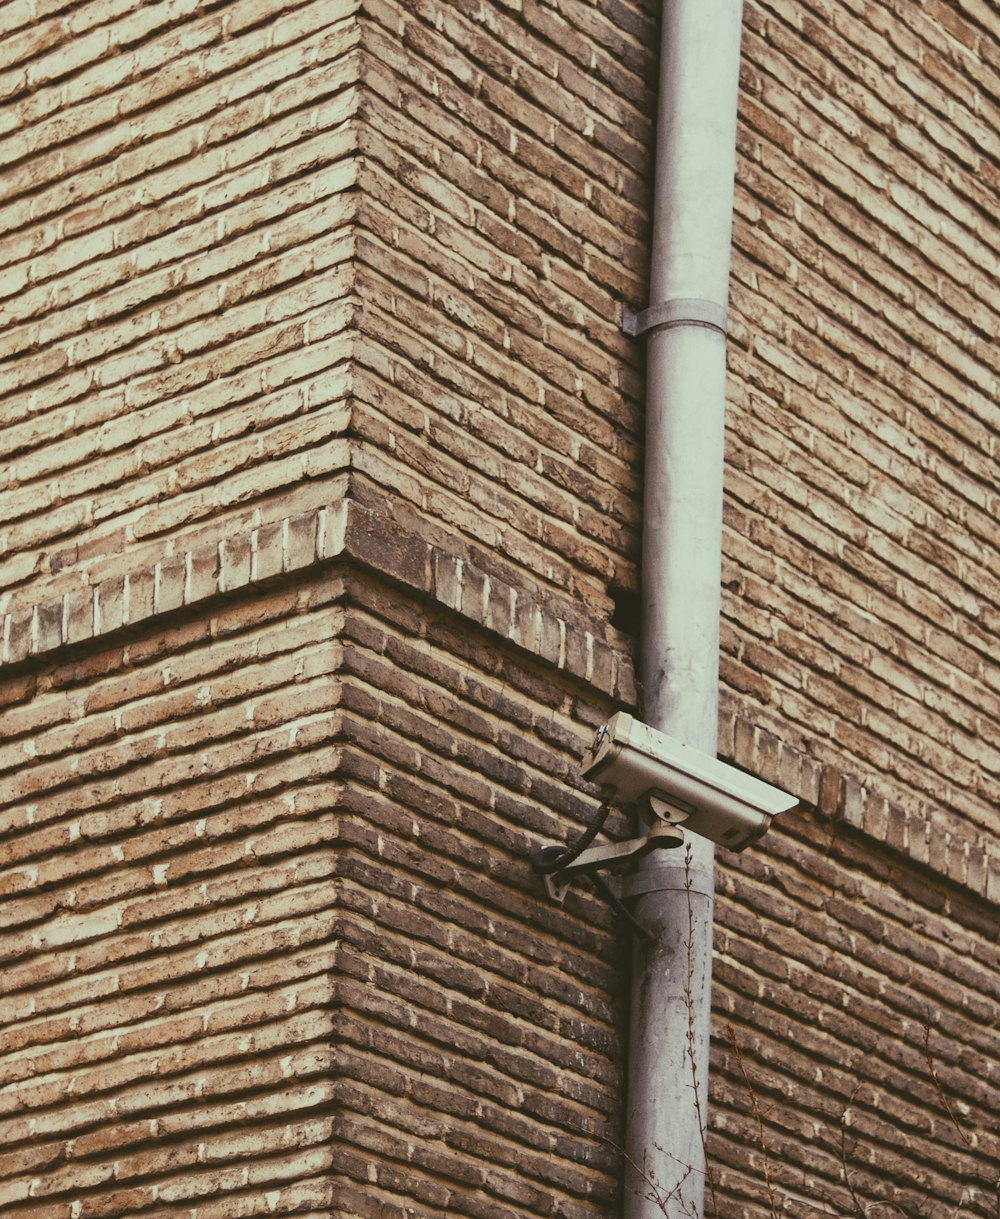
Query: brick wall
(319, 519)
(478, 1041)
(862, 473)
(177, 214)
(169, 834)
(498, 234)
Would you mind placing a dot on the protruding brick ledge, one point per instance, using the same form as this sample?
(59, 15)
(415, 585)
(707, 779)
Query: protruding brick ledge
(926, 834)
(556, 632)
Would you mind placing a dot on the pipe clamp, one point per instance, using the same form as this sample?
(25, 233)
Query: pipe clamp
(683, 311)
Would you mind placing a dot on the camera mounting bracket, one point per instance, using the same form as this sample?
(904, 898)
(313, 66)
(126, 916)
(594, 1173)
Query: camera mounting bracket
(596, 859)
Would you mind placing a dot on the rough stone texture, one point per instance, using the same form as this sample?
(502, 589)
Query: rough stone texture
(319, 525)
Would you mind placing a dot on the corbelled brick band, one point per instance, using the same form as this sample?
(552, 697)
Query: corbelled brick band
(552, 632)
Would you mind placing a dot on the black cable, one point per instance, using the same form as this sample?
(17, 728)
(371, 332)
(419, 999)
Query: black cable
(551, 859)
(619, 907)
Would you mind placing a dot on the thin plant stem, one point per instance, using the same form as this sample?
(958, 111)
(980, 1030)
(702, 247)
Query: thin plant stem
(758, 1117)
(962, 1133)
(691, 1038)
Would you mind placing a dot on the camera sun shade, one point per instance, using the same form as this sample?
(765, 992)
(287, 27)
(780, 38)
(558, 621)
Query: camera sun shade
(633, 762)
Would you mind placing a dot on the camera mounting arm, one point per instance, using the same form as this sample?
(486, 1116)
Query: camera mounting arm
(558, 873)
(559, 866)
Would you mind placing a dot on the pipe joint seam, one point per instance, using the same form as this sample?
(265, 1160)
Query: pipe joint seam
(682, 311)
(696, 881)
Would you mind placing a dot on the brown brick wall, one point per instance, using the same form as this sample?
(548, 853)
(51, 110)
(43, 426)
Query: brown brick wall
(478, 1041)
(177, 213)
(861, 547)
(319, 513)
(168, 868)
(500, 230)
(854, 1043)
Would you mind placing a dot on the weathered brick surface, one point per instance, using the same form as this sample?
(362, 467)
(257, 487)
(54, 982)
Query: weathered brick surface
(177, 224)
(169, 870)
(862, 992)
(493, 1093)
(862, 557)
(217, 835)
(319, 530)
(489, 215)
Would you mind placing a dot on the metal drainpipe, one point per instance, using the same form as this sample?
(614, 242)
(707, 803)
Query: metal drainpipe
(666, 1108)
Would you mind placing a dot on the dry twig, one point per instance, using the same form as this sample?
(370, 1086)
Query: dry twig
(762, 1138)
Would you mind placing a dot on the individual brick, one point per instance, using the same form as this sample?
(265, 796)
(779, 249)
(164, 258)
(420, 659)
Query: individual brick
(234, 563)
(47, 626)
(266, 551)
(168, 584)
(109, 605)
(140, 594)
(201, 575)
(299, 542)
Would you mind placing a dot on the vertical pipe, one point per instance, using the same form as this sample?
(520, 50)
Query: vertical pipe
(666, 1109)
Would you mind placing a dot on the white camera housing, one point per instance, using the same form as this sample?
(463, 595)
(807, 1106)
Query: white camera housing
(633, 762)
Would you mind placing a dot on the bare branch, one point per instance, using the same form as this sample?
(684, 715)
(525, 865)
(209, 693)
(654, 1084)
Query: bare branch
(962, 1133)
(742, 1068)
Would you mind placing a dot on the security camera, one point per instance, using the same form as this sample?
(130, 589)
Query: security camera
(633, 762)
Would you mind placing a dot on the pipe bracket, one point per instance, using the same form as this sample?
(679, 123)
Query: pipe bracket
(682, 311)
